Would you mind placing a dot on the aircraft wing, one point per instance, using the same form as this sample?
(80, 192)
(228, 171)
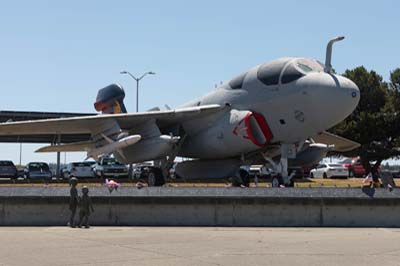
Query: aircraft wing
(85, 125)
(14, 116)
(341, 144)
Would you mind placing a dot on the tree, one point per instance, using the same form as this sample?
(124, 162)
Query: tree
(375, 123)
(395, 79)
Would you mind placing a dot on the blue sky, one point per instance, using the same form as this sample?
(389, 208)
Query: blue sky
(55, 55)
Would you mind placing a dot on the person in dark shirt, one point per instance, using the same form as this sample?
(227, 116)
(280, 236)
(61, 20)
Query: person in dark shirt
(86, 208)
(73, 200)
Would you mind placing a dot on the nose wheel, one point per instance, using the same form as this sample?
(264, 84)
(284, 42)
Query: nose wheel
(282, 178)
(276, 181)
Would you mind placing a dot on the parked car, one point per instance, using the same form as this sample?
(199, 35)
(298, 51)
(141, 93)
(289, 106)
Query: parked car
(137, 171)
(354, 167)
(148, 173)
(257, 170)
(92, 163)
(37, 170)
(396, 174)
(248, 172)
(328, 170)
(78, 170)
(8, 169)
(109, 167)
(307, 169)
(20, 173)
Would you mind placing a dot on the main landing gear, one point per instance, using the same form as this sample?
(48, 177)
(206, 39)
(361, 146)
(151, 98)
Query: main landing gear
(155, 177)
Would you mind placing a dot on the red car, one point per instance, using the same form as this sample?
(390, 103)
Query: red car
(355, 167)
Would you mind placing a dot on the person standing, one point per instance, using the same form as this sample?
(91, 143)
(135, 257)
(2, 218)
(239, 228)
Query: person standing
(86, 208)
(73, 200)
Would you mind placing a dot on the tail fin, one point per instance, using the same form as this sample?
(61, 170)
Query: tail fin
(110, 100)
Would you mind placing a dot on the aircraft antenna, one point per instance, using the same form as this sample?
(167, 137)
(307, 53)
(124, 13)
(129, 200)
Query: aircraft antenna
(328, 65)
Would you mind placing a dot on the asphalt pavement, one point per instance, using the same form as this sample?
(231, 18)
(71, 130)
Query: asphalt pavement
(198, 246)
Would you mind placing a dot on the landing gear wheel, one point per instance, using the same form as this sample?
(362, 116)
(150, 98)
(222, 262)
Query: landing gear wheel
(276, 181)
(324, 176)
(155, 178)
(311, 175)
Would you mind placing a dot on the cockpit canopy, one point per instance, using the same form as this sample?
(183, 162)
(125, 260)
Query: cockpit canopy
(280, 71)
(286, 70)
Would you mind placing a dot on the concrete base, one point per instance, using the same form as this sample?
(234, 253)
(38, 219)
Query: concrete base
(208, 207)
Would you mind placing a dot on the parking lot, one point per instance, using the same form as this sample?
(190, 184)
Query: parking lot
(93, 174)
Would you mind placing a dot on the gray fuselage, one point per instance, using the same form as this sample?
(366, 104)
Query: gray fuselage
(283, 101)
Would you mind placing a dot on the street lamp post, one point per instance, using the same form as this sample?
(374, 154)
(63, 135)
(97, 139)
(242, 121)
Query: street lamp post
(20, 153)
(137, 84)
(137, 100)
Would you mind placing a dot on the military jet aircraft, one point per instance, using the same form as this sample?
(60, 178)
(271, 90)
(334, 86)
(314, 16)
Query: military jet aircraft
(273, 113)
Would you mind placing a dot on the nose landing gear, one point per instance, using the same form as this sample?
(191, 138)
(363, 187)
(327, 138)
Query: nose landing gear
(282, 177)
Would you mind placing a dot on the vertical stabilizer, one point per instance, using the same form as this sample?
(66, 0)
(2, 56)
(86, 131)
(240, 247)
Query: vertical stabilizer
(110, 100)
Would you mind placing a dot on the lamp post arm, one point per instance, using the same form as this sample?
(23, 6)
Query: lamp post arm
(143, 75)
(137, 84)
(132, 76)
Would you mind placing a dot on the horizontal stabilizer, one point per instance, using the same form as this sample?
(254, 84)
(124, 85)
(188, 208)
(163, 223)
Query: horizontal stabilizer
(341, 144)
(77, 146)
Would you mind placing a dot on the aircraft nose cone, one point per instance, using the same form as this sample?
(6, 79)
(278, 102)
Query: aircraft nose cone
(332, 99)
(349, 86)
(341, 97)
(346, 92)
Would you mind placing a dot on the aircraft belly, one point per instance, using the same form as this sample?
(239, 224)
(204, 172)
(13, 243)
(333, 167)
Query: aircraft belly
(209, 169)
(212, 147)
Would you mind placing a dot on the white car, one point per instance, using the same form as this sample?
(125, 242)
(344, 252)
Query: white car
(78, 170)
(328, 170)
(110, 167)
